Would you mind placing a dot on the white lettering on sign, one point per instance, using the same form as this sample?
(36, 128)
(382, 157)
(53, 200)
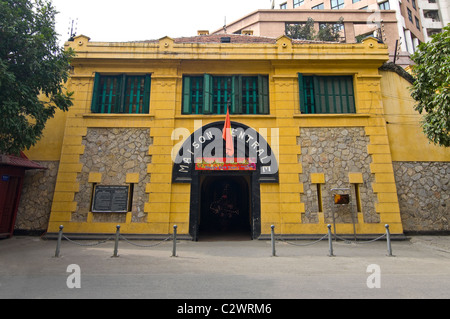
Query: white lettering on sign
(209, 144)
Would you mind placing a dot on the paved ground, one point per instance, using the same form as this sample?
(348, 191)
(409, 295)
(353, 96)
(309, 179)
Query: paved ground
(420, 268)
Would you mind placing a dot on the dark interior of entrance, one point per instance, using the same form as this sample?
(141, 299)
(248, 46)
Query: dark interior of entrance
(225, 210)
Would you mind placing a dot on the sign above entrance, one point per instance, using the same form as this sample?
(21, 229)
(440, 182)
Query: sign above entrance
(225, 164)
(204, 150)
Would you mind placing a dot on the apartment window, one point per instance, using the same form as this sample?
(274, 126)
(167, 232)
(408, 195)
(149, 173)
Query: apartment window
(210, 94)
(127, 94)
(384, 5)
(326, 94)
(409, 15)
(298, 3)
(417, 23)
(318, 7)
(414, 4)
(337, 4)
(355, 1)
(283, 6)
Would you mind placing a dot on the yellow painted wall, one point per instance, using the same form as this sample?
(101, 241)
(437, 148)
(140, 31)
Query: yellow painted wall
(49, 146)
(167, 61)
(406, 138)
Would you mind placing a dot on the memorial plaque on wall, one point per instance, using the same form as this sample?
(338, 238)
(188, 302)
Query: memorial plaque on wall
(110, 199)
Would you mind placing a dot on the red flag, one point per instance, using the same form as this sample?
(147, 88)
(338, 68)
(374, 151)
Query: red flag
(226, 135)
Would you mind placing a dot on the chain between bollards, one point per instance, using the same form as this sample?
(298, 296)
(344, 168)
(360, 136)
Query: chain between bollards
(330, 242)
(174, 249)
(58, 244)
(116, 244)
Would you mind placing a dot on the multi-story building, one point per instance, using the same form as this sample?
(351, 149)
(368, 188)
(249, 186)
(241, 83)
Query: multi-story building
(435, 14)
(397, 23)
(407, 13)
(356, 25)
(142, 147)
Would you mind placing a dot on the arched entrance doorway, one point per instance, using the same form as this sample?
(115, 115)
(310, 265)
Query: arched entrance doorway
(201, 162)
(225, 207)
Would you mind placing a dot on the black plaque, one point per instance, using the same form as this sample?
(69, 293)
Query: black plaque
(110, 199)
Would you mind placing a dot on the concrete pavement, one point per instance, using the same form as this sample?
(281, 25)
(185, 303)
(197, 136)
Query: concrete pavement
(236, 269)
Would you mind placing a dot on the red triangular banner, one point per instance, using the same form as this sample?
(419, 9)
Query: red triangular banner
(229, 145)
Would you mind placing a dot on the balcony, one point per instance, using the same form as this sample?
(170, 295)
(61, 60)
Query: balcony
(427, 6)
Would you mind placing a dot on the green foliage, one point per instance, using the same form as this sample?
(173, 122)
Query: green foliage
(32, 67)
(431, 88)
(329, 32)
(301, 31)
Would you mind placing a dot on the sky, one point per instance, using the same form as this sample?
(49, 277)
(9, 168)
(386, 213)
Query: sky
(134, 20)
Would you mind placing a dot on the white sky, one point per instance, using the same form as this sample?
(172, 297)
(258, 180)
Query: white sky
(130, 20)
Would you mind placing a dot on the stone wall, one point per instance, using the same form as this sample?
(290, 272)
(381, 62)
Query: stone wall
(336, 152)
(423, 190)
(36, 200)
(114, 153)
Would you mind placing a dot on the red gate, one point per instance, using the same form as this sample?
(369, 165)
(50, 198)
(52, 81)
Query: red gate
(12, 172)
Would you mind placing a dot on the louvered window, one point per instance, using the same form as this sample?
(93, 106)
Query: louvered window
(128, 94)
(210, 94)
(326, 94)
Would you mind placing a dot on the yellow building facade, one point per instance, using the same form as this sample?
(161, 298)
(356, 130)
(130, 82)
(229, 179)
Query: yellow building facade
(308, 122)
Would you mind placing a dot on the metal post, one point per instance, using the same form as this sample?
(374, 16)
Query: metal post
(174, 250)
(395, 52)
(58, 244)
(116, 244)
(330, 242)
(272, 237)
(388, 239)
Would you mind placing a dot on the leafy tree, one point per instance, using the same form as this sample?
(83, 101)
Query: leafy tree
(33, 70)
(431, 88)
(303, 31)
(330, 31)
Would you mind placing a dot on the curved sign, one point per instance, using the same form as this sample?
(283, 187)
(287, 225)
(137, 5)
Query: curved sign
(205, 150)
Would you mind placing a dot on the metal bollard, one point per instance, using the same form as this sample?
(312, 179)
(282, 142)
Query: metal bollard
(272, 238)
(58, 243)
(174, 249)
(116, 244)
(330, 242)
(388, 239)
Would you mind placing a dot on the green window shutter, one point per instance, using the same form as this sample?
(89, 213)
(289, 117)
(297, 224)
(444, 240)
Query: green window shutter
(347, 96)
(236, 95)
(94, 104)
(207, 94)
(111, 98)
(334, 94)
(131, 88)
(301, 90)
(147, 91)
(320, 95)
(263, 94)
(250, 100)
(120, 95)
(103, 96)
(187, 109)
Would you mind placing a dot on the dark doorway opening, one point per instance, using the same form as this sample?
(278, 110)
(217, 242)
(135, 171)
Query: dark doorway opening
(225, 208)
